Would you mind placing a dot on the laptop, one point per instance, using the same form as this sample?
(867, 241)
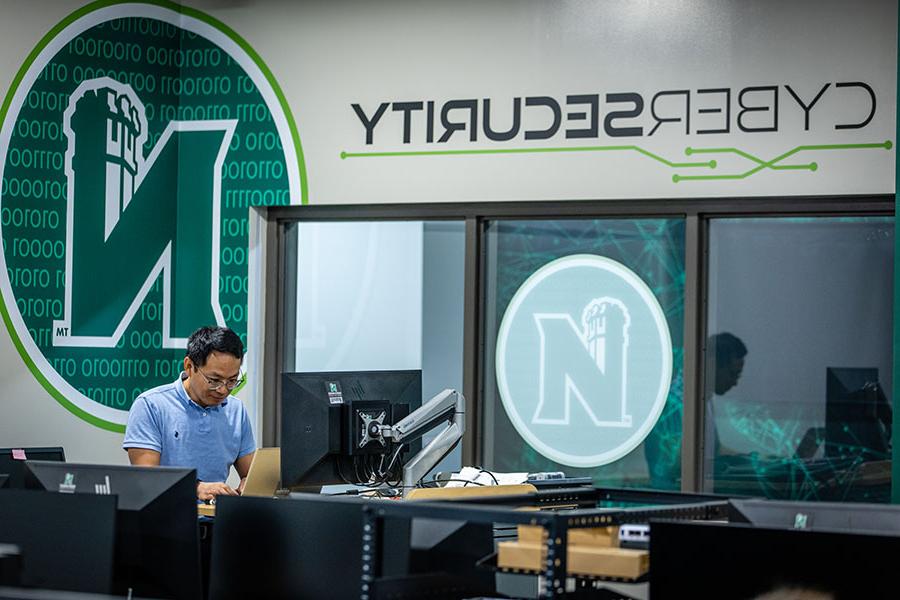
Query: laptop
(262, 478)
(264, 474)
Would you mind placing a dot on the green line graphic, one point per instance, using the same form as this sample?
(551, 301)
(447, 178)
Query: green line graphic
(689, 151)
(709, 164)
(770, 164)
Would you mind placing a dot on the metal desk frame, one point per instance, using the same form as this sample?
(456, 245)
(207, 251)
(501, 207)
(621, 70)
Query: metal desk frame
(557, 524)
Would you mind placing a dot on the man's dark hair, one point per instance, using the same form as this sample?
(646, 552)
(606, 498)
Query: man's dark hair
(213, 339)
(727, 347)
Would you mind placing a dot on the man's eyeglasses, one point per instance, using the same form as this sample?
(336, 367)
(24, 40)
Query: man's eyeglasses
(215, 384)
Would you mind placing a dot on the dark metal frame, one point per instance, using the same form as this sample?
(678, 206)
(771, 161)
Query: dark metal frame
(696, 212)
(556, 524)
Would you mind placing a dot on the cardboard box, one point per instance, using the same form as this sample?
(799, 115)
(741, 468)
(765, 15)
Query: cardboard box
(605, 537)
(582, 560)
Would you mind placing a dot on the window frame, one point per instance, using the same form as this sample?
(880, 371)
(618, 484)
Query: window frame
(270, 239)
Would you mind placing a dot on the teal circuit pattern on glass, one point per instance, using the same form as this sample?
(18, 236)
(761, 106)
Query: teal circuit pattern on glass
(799, 358)
(583, 369)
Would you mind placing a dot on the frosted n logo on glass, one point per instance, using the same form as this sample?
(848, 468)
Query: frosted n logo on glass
(584, 360)
(590, 364)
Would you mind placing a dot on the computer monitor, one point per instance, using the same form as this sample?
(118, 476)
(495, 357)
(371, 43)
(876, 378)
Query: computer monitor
(324, 420)
(818, 516)
(718, 560)
(66, 542)
(312, 546)
(12, 462)
(299, 549)
(857, 415)
(157, 540)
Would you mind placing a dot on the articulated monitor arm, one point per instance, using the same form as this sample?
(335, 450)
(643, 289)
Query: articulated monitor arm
(449, 404)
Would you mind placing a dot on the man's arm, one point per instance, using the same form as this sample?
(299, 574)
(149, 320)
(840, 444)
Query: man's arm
(141, 457)
(242, 466)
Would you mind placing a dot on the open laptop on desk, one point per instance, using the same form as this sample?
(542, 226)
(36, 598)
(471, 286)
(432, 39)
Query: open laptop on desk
(264, 474)
(262, 478)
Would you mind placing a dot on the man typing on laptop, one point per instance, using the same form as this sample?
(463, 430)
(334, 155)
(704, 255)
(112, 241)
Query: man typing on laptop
(195, 422)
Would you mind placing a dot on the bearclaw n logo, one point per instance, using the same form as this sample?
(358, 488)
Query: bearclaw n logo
(132, 143)
(584, 360)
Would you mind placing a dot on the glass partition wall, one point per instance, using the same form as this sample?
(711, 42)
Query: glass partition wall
(376, 296)
(549, 385)
(740, 346)
(799, 359)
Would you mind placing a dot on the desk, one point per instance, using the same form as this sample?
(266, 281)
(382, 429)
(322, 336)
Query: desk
(558, 526)
(476, 491)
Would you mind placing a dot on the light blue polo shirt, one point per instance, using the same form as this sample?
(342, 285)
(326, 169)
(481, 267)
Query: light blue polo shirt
(185, 434)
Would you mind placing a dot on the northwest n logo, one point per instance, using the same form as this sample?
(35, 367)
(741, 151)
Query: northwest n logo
(584, 360)
(602, 392)
(124, 210)
(132, 144)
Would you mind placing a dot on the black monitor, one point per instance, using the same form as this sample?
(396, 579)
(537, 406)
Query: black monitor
(157, 540)
(740, 562)
(300, 549)
(817, 516)
(12, 462)
(324, 417)
(4, 481)
(857, 415)
(312, 546)
(65, 542)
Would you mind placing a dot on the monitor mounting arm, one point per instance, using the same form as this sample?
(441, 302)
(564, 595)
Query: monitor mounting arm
(448, 407)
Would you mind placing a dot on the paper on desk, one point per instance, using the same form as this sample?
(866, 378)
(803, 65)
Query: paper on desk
(482, 477)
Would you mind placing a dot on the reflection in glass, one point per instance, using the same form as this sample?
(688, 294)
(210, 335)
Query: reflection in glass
(799, 360)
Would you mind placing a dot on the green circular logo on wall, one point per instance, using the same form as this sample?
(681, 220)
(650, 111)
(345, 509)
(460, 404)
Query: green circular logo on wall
(132, 143)
(584, 360)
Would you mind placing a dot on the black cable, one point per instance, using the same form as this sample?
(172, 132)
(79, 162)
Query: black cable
(480, 471)
(434, 483)
(340, 471)
(359, 480)
(396, 454)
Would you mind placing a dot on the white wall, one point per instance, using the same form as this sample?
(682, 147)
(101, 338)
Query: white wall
(328, 55)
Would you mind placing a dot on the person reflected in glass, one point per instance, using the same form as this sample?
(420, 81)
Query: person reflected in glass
(195, 422)
(729, 354)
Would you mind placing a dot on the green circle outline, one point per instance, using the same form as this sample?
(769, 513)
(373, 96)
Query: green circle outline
(4, 109)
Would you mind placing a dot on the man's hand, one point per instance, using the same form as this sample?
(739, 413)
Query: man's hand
(240, 488)
(208, 491)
